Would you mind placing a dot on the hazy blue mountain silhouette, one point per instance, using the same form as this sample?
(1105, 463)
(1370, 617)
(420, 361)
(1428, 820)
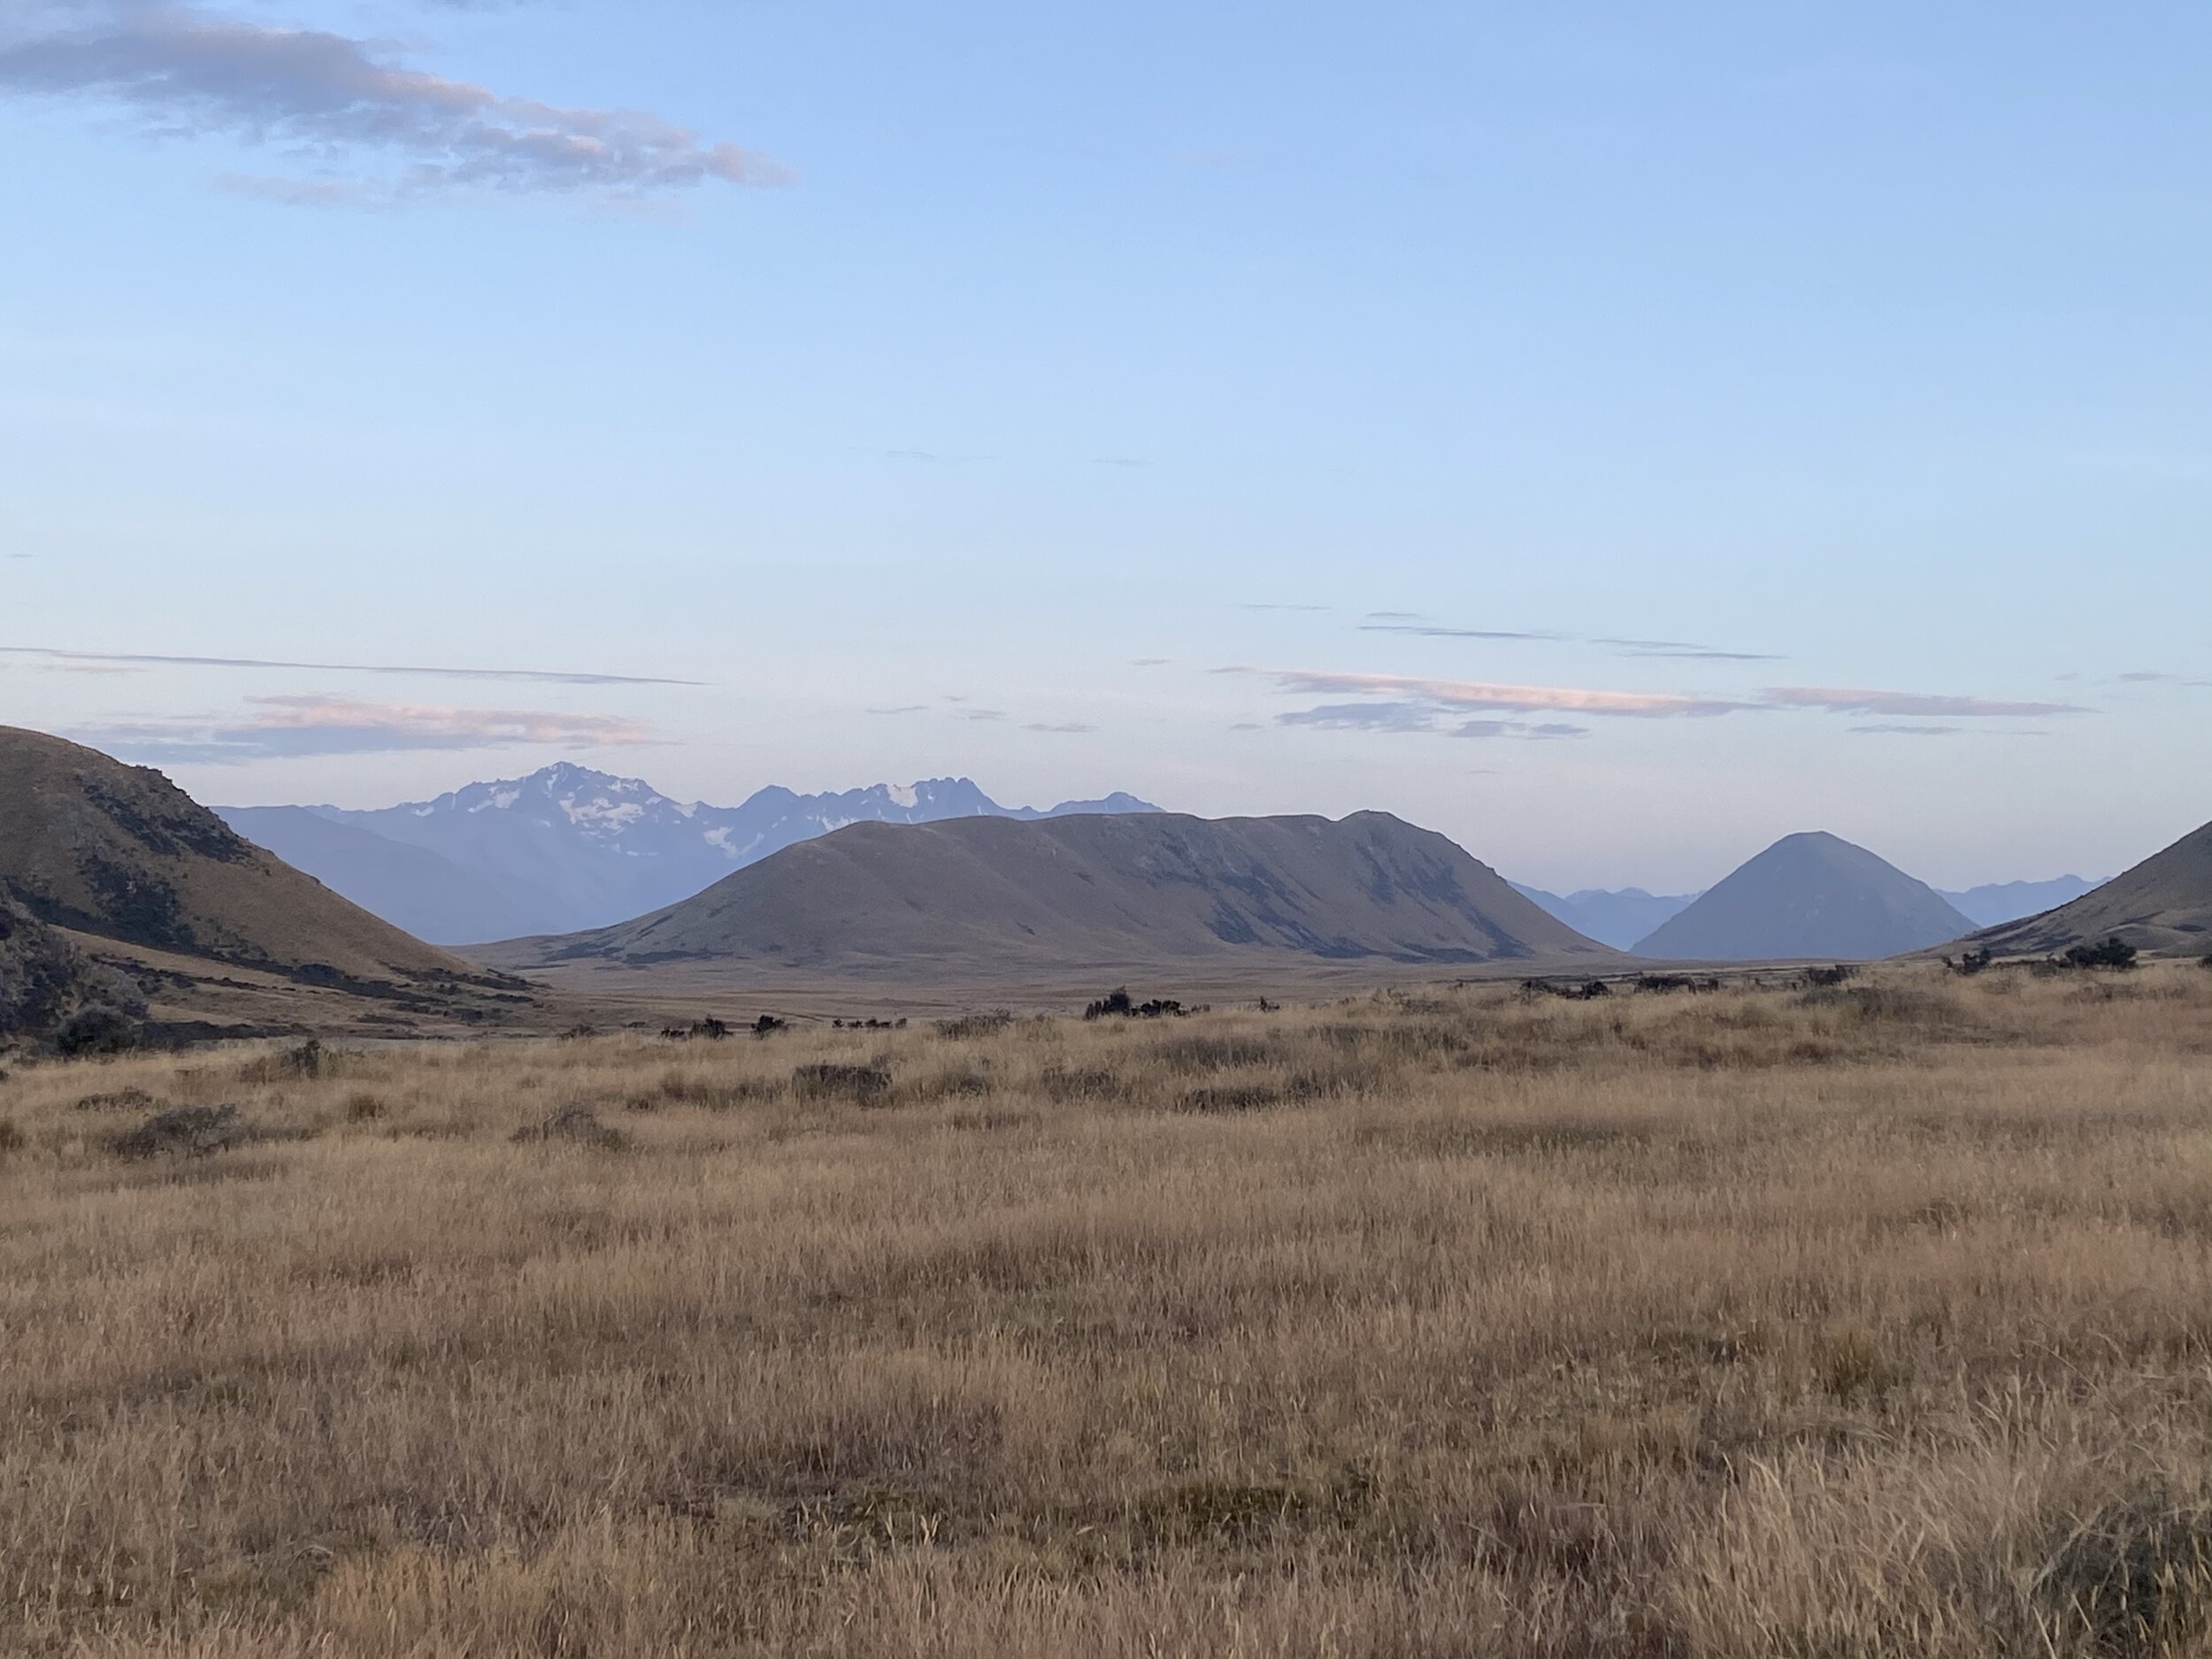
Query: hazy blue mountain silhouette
(2011, 900)
(1624, 916)
(1806, 896)
(1616, 917)
(568, 848)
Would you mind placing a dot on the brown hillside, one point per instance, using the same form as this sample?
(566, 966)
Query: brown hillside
(972, 894)
(2162, 907)
(120, 853)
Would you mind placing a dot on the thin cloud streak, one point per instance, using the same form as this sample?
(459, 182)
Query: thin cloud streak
(195, 73)
(1430, 631)
(1836, 700)
(295, 729)
(1466, 697)
(1414, 719)
(1478, 696)
(548, 677)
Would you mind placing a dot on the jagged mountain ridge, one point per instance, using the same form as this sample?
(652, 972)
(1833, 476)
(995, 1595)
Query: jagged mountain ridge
(569, 848)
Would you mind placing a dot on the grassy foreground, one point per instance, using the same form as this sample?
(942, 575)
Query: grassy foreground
(1870, 1320)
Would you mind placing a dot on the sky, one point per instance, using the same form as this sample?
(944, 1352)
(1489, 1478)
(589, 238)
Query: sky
(1614, 435)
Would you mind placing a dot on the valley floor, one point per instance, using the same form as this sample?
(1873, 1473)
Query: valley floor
(1871, 1320)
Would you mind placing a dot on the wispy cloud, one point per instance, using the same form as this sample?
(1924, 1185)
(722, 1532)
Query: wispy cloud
(980, 714)
(1417, 627)
(550, 677)
(293, 728)
(1404, 703)
(2146, 677)
(1701, 653)
(1549, 731)
(903, 708)
(1417, 718)
(1064, 729)
(1473, 696)
(1364, 716)
(1259, 605)
(1429, 630)
(1908, 731)
(1932, 705)
(1150, 662)
(930, 458)
(192, 72)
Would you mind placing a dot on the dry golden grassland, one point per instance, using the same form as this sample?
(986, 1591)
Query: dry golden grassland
(1874, 1320)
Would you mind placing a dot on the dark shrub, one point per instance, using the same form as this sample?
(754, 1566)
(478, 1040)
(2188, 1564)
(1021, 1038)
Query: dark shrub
(1576, 991)
(97, 1030)
(2114, 952)
(1972, 963)
(1825, 979)
(1118, 1005)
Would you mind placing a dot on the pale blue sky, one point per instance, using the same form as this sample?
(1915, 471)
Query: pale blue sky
(962, 360)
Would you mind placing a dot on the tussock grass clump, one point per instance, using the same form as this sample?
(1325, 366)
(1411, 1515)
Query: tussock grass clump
(309, 1059)
(2133, 1581)
(575, 1125)
(121, 1100)
(864, 1085)
(968, 1028)
(187, 1131)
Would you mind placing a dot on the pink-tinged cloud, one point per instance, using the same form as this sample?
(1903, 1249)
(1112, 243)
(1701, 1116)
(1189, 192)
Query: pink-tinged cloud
(1833, 700)
(329, 98)
(292, 729)
(1471, 695)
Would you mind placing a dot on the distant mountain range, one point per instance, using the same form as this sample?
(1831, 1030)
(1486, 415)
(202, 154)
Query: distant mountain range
(981, 895)
(1809, 895)
(2010, 901)
(568, 848)
(1624, 918)
(1618, 918)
